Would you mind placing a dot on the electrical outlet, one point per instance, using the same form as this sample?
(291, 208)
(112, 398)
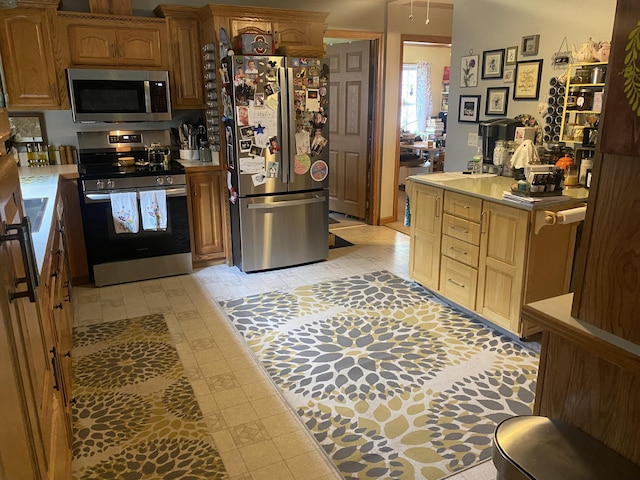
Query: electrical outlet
(472, 139)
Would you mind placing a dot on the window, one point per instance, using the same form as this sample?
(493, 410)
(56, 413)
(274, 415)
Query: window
(408, 110)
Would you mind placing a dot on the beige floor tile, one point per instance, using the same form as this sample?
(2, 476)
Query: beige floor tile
(249, 433)
(294, 444)
(257, 390)
(230, 397)
(211, 368)
(308, 466)
(233, 462)
(279, 471)
(260, 455)
(223, 441)
(250, 375)
(238, 414)
(281, 424)
(269, 406)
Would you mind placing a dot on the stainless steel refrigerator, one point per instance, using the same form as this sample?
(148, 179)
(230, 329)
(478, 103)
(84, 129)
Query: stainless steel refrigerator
(277, 143)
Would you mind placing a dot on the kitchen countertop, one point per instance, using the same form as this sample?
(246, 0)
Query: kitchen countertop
(197, 165)
(490, 187)
(42, 182)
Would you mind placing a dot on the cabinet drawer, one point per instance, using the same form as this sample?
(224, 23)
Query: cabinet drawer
(458, 282)
(461, 251)
(461, 229)
(463, 206)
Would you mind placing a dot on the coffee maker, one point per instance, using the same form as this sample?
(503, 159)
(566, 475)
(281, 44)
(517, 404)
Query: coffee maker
(490, 131)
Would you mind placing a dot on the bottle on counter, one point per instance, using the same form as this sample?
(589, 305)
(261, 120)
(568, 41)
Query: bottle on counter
(31, 156)
(477, 161)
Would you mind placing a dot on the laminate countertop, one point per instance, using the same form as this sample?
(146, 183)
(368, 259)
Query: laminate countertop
(42, 182)
(492, 187)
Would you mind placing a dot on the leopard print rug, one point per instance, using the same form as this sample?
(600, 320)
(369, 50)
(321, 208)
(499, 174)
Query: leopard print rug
(391, 381)
(136, 416)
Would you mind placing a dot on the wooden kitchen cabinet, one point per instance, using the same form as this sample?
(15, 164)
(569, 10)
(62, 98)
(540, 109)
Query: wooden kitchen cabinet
(106, 40)
(32, 79)
(207, 204)
(487, 256)
(185, 56)
(36, 442)
(426, 233)
(502, 262)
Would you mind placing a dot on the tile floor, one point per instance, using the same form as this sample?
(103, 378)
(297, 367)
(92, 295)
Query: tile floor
(256, 433)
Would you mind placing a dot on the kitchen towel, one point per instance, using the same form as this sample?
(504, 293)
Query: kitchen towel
(153, 204)
(124, 209)
(525, 154)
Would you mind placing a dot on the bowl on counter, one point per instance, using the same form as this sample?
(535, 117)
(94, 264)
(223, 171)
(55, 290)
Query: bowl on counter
(126, 161)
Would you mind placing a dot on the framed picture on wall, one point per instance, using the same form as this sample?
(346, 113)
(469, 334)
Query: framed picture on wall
(492, 61)
(527, 81)
(469, 71)
(530, 45)
(511, 57)
(496, 101)
(469, 108)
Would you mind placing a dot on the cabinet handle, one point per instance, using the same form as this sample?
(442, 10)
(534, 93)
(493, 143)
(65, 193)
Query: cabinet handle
(483, 220)
(461, 230)
(23, 235)
(54, 365)
(437, 207)
(120, 50)
(179, 91)
(451, 280)
(58, 306)
(460, 205)
(457, 250)
(54, 91)
(113, 50)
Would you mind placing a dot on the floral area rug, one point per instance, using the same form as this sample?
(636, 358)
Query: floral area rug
(136, 416)
(392, 382)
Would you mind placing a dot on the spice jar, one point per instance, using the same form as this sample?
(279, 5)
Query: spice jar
(572, 97)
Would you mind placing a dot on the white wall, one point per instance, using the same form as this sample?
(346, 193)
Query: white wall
(493, 24)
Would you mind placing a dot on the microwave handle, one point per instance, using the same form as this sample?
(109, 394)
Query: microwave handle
(147, 96)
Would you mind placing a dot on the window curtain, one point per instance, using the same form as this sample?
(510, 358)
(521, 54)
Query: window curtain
(424, 99)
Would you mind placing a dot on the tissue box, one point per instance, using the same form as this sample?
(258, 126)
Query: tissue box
(256, 43)
(525, 133)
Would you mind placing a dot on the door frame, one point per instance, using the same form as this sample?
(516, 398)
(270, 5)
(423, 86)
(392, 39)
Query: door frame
(442, 40)
(375, 114)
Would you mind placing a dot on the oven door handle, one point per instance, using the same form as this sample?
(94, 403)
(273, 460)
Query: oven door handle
(105, 197)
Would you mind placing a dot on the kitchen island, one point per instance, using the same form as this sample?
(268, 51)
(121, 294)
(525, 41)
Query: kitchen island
(487, 254)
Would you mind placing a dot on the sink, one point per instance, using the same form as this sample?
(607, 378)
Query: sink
(35, 208)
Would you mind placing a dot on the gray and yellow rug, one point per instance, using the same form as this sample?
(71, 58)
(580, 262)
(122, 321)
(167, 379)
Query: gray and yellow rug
(392, 382)
(136, 416)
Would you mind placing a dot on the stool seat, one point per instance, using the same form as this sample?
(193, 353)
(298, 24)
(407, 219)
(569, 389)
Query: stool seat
(538, 448)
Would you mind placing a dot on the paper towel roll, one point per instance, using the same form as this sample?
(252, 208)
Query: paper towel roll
(571, 215)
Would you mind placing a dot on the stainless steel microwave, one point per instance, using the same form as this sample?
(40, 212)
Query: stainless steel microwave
(119, 95)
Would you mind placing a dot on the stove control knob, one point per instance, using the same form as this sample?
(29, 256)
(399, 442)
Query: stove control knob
(110, 184)
(100, 184)
(160, 180)
(169, 180)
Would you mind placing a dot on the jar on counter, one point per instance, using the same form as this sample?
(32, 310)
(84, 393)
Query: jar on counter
(586, 164)
(499, 152)
(572, 96)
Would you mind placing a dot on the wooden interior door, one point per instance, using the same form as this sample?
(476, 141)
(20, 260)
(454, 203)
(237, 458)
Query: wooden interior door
(349, 131)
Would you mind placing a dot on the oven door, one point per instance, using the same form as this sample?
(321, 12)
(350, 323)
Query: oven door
(104, 245)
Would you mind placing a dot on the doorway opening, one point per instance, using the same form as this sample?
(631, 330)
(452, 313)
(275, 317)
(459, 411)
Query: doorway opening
(423, 101)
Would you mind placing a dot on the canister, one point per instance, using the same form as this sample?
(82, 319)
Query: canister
(597, 74)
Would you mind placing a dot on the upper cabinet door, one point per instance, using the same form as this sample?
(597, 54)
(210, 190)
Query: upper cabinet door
(29, 65)
(238, 26)
(140, 46)
(186, 66)
(92, 46)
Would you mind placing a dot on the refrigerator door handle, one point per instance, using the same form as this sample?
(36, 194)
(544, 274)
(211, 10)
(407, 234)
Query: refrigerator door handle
(286, 203)
(286, 115)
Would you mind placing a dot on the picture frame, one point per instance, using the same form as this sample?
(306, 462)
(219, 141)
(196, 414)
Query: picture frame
(511, 55)
(509, 74)
(492, 63)
(529, 46)
(527, 80)
(469, 108)
(496, 101)
(469, 71)
(28, 127)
